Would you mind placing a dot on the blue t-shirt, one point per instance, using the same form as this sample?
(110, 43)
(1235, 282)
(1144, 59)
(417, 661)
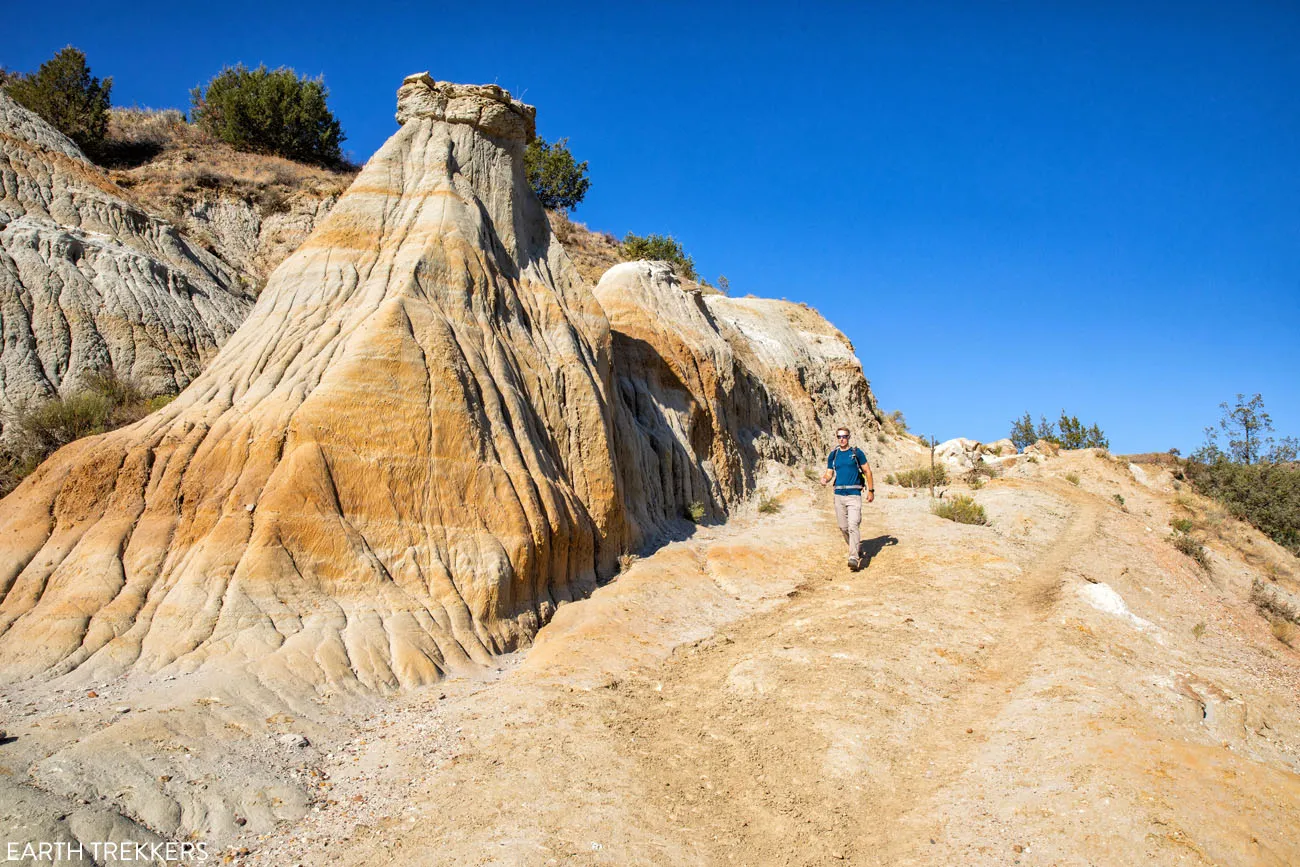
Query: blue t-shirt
(847, 478)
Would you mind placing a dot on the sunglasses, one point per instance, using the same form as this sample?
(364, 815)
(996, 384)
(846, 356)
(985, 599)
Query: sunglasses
(841, 436)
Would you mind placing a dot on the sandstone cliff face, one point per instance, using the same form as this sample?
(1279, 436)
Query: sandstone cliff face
(252, 239)
(87, 280)
(398, 464)
(427, 435)
(708, 387)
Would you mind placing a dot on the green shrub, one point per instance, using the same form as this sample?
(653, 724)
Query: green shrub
(767, 505)
(1188, 545)
(68, 97)
(271, 112)
(695, 511)
(105, 402)
(919, 477)
(1181, 525)
(1068, 433)
(663, 248)
(961, 508)
(559, 181)
(60, 420)
(1119, 500)
(1267, 495)
(1198, 631)
(1271, 604)
(117, 390)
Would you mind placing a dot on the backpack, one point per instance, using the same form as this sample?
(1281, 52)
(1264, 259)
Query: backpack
(853, 452)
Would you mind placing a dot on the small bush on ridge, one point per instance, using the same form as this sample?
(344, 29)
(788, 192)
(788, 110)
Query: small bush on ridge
(67, 97)
(269, 111)
(1192, 548)
(962, 509)
(663, 248)
(1068, 433)
(559, 181)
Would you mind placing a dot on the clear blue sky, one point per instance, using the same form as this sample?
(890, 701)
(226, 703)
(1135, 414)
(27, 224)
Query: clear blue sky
(1007, 206)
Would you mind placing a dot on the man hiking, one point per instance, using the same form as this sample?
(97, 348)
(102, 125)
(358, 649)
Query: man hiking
(848, 468)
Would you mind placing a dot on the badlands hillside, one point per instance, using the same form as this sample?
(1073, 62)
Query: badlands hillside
(368, 592)
(90, 280)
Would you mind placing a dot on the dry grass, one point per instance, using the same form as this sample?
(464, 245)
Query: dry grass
(918, 477)
(1192, 548)
(1273, 602)
(1284, 631)
(593, 253)
(168, 164)
(767, 505)
(979, 472)
(106, 401)
(625, 561)
(1072, 478)
(961, 509)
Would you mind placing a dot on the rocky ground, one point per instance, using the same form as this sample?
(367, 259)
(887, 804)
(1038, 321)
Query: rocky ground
(1059, 687)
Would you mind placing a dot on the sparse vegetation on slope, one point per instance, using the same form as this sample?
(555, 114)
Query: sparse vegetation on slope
(106, 402)
(270, 111)
(1189, 545)
(1256, 478)
(919, 477)
(67, 96)
(169, 165)
(962, 509)
(664, 248)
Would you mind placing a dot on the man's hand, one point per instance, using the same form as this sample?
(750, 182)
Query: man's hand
(871, 496)
(827, 475)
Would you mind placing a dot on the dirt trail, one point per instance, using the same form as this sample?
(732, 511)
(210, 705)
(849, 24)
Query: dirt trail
(959, 701)
(745, 740)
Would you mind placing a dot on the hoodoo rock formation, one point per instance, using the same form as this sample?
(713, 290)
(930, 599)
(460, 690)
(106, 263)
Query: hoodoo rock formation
(425, 437)
(399, 462)
(709, 386)
(89, 281)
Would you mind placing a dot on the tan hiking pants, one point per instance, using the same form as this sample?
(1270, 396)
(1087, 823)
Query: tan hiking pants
(848, 514)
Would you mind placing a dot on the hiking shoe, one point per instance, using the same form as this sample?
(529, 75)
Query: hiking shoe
(854, 564)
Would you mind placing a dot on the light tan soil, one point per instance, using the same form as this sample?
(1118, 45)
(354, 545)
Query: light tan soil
(742, 698)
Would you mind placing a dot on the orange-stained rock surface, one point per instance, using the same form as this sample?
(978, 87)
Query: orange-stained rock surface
(427, 435)
(399, 463)
(88, 280)
(708, 388)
